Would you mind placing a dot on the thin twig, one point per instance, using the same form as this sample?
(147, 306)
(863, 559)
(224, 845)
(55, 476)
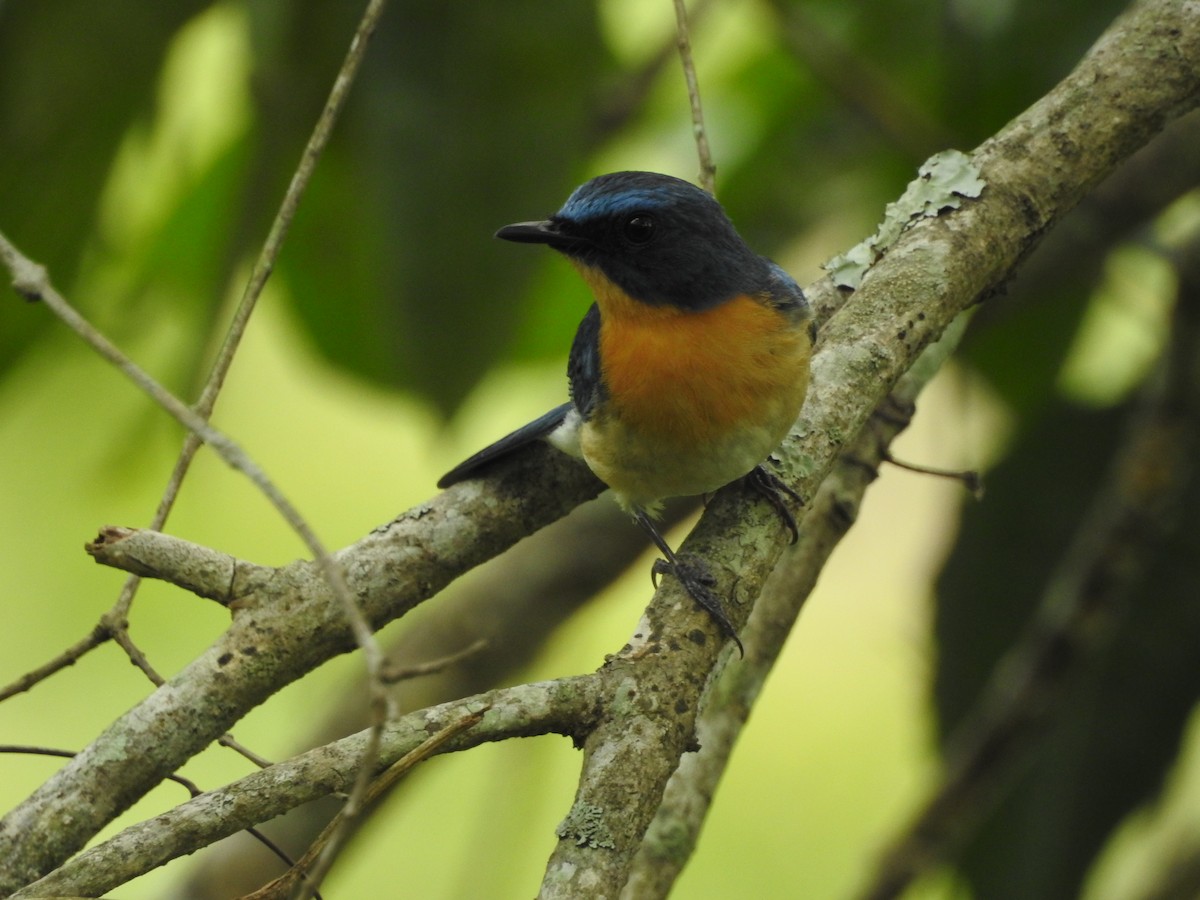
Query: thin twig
(228, 740)
(336, 832)
(708, 169)
(380, 698)
(136, 656)
(308, 871)
(627, 97)
(113, 623)
(31, 281)
(969, 478)
(68, 657)
(265, 264)
(392, 674)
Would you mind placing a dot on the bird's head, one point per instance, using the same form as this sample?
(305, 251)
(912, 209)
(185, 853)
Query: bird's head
(661, 240)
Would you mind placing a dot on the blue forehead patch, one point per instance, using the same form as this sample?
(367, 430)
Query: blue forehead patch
(624, 192)
(586, 204)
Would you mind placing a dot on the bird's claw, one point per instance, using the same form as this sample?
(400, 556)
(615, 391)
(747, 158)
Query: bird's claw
(772, 488)
(698, 581)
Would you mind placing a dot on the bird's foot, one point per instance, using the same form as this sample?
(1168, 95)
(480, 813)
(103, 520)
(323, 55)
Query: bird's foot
(772, 488)
(696, 579)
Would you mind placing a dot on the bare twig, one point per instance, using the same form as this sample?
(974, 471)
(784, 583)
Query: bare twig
(627, 96)
(228, 740)
(263, 267)
(31, 281)
(113, 623)
(26, 278)
(969, 478)
(392, 673)
(708, 169)
(68, 657)
(311, 868)
(136, 656)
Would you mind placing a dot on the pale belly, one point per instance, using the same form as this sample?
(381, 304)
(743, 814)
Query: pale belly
(644, 464)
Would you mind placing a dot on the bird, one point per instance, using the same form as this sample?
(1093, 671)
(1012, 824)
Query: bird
(688, 369)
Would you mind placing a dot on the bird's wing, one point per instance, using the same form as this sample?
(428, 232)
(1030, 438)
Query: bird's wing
(583, 371)
(526, 434)
(583, 366)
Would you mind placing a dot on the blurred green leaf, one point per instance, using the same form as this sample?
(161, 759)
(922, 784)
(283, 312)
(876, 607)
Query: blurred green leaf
(1019, 339)
(466, 117)
(190, 262)
(1000, 57)
(73, 76)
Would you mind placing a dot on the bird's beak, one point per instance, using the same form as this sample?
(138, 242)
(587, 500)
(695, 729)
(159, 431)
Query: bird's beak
(548, 232)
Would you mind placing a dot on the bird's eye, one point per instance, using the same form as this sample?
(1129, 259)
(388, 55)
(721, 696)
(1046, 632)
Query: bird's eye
(639, 229)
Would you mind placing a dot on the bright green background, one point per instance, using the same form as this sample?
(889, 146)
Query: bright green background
(141, 153)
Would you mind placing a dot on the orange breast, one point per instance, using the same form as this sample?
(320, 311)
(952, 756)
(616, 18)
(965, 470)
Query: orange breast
(691, 377)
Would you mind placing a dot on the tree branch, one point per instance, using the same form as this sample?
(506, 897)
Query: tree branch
(197, 569)
(285, 624)
(1141, 73)
(726, 705)
(552, 707)
(513, 604)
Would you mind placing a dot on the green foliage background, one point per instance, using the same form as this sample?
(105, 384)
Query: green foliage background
(143, 149)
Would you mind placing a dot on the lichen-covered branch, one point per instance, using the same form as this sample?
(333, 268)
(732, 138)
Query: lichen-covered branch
(285, 623)
(541, 708)
(1142, 72)
(726, 706)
